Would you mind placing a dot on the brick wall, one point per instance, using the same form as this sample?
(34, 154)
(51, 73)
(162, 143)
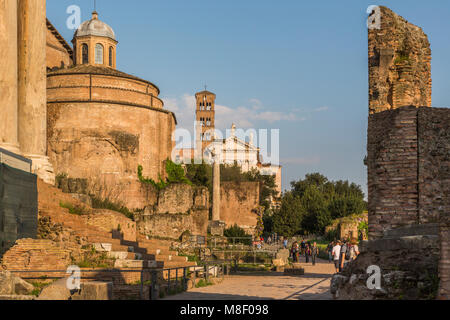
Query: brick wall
(105, 143)
(392, 170)
(57, 54)
(444, 263)
(180, 208)
(434, 163)
(109, 221)
(408, 167)
(102, 124)
(434, 181)
(36, 255)
(237, 200)
(409, 175)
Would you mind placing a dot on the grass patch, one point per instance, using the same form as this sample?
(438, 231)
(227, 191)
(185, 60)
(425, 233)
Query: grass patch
(191, 258)
(77, 210)
(401, 58)
(39, 286)
(203, 283)
(93, 260)
(109, 205)
(254, 267)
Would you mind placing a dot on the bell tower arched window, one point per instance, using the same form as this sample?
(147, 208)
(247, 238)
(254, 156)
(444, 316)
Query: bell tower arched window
(98, 53)
(111, 52)
(84, 54)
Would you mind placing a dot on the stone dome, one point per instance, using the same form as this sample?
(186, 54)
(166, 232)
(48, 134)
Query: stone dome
(95, 27)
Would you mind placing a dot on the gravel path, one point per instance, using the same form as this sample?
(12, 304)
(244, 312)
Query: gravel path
(314, 285)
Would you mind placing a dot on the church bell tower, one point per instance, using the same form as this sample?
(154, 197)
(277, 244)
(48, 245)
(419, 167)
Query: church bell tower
(205, 117)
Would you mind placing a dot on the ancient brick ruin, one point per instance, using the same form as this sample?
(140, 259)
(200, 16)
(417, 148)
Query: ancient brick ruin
(181, 209)
(399, 64)
(238, 201)
(408, 172)
(407, 167)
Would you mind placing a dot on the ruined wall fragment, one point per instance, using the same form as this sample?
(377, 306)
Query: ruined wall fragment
(399, 64)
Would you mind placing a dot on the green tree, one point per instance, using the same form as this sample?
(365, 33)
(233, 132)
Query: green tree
(237, 232)
(200, 174)
(268, 223)
(325, 200)
(317, 216)
(231, 173)
(287, 221)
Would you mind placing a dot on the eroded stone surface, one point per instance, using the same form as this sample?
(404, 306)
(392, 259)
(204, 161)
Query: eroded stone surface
(13, 285)
(408, 265)
(399, 64)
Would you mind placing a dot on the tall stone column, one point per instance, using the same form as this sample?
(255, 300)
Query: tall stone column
(33, 86)
(8, 76)
(216, 190)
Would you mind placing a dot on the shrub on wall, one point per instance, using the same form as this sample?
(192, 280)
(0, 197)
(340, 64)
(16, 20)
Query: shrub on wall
(107, 204)
(363, 228)
(175, 174)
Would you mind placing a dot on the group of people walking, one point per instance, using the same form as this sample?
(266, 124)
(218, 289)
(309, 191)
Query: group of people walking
(342, 252)
(306, 249)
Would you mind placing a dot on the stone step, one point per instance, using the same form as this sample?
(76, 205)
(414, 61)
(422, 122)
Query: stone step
(176, 264)
(117, 247)
(129, 243)
(131, 255)
(165, 243)
(171, 258)
(154, 247)
(103, 247)
(155, 251)
(124, 255)
(97, 239)
(137, 264)
(162, 252)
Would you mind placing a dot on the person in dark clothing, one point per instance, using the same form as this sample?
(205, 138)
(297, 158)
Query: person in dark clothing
(314, 253)
(344, 249)
(329, 251)
(294, 252)
(303, 247)
(307, 251)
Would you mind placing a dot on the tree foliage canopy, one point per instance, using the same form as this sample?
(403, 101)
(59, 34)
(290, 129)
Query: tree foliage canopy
(174, 172)
(314, 202)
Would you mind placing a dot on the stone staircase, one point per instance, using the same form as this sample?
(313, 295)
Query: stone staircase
(137, 253)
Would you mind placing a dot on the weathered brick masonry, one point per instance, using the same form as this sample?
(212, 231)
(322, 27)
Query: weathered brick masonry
(408, 142)
(392, 170)
(238, 200)
(409, 174)
(399, 64)
(434, 182)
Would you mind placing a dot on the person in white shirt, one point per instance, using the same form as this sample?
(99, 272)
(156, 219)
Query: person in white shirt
(336, 255)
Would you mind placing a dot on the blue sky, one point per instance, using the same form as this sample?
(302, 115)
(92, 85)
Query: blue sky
(297, 66)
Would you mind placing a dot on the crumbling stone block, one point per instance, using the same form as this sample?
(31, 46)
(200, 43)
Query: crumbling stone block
(399, 64)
